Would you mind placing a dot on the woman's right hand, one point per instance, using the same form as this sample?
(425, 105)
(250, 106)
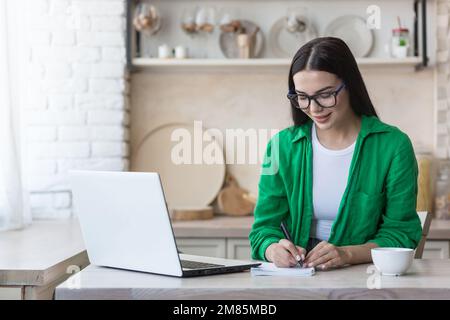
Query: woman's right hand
(284, 254)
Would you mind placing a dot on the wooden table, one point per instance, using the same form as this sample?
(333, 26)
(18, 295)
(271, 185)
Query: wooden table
(34, 260)
(427, 279)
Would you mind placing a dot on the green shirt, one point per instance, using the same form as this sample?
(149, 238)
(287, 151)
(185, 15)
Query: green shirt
(378, 204)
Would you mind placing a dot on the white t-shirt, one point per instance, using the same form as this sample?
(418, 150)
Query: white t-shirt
(330, 173)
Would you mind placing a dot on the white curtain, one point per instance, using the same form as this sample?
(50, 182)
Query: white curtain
(14, 204)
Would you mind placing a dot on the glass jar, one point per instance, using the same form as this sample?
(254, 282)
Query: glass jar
(400, 42)
(442, 195)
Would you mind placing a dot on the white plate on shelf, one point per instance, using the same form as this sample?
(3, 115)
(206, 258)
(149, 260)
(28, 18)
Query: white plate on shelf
(354, 31)
(185, 185)
(228, 42)
(285, 44)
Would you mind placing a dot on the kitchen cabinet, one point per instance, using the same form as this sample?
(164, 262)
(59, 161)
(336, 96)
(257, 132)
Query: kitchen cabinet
(222, 237)
(11, 293)
(211, 247)
(438, 240)
(238, 249)
(231, 248)
(436, 250)
(227, 237)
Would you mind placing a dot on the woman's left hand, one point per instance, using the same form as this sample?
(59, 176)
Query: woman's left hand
(326, 255)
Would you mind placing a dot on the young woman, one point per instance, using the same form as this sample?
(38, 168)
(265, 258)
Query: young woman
(343, 181)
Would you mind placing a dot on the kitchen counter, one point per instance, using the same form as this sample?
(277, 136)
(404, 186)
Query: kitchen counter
(426, 279)
(219, 226)
(35, 259)
(239, 227)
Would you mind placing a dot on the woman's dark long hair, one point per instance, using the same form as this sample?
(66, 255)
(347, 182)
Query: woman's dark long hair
(334, 56)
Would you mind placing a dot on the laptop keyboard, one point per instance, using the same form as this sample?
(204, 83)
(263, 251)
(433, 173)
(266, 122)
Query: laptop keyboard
(198, 265)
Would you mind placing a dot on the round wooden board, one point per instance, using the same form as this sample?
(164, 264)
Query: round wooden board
(185, 185)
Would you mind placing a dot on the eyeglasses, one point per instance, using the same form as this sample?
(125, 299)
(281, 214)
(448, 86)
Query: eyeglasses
(323, 99)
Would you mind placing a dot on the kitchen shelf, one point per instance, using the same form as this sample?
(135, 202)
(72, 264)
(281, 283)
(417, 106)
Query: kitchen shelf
(419, 60)
(272, 63)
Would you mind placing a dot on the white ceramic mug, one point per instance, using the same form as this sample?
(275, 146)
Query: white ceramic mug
(180, 52)
(164, 51)
(392, 261)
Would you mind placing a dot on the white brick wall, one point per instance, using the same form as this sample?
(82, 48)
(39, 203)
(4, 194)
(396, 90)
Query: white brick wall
(76, 110)
(442, 131)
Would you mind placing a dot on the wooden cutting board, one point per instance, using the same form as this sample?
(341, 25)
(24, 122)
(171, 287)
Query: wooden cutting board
(185, 184)
(191, 213)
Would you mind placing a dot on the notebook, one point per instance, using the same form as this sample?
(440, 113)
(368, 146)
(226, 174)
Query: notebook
(270, 269)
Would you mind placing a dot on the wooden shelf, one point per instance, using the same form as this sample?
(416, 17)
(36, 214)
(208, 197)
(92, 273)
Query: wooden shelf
(419, 35)
(273, 63)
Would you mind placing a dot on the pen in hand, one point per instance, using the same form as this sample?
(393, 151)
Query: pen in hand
(288, 237)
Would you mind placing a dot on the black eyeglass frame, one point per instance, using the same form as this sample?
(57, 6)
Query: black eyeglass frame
(293, 97)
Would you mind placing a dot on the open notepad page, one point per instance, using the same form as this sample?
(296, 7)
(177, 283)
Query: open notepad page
(270, 269)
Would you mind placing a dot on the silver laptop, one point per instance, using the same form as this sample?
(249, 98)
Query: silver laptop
(125, 224)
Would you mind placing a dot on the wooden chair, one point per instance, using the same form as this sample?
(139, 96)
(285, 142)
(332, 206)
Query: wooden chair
(425, 221)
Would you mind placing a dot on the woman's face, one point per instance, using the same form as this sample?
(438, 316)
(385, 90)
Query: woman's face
(313, 82)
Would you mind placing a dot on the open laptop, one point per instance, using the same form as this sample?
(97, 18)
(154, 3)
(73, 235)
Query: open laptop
(126, 224)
